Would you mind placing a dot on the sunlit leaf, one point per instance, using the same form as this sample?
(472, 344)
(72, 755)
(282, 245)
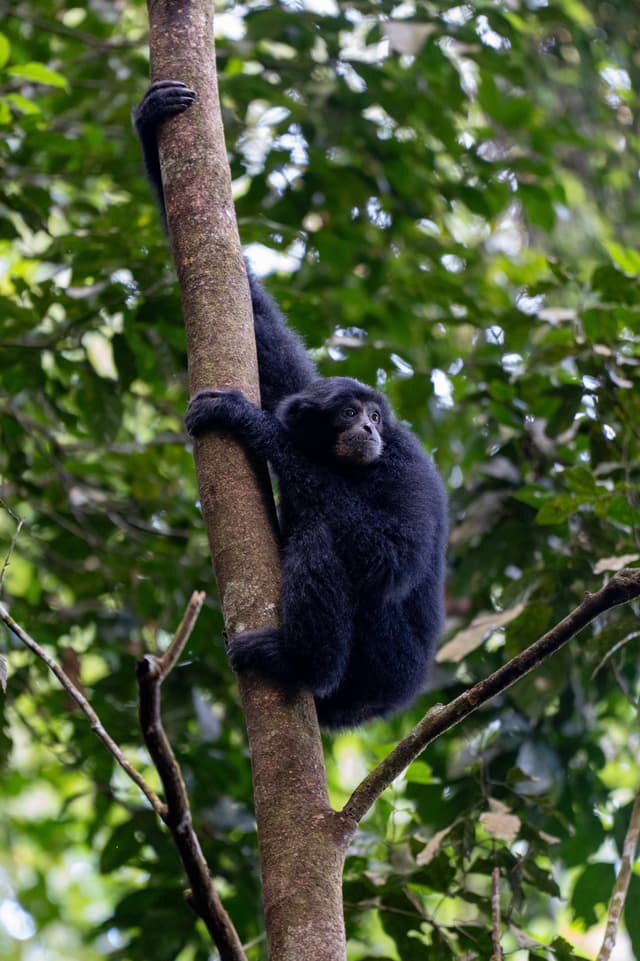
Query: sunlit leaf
(38, 73)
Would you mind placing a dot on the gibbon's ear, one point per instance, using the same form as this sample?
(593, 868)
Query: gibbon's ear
(293, 409)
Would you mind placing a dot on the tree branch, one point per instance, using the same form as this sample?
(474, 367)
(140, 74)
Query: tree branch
(621, 887)
(174, 652)
(79, 698)
(175, 813)
(495, 915)
(624, 586)
(203, 897)
(14, 540)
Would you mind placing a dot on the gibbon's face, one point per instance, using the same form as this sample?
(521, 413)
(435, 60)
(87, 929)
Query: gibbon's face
(358, 427)
(338, 418)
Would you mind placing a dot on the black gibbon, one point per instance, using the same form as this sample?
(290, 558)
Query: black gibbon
(362, 512)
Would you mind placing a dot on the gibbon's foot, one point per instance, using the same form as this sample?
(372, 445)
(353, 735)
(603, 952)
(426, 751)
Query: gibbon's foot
(259, 650)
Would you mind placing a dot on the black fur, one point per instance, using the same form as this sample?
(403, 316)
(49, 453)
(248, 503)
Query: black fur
(363, 517)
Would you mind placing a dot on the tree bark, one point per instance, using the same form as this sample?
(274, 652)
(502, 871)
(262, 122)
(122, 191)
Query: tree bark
(302, 841)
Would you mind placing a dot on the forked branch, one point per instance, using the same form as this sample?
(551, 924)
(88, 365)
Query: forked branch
(175, 813)
(203, 897)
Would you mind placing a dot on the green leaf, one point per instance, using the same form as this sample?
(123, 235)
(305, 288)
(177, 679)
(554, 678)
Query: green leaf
(538, 205)
(399, 923)
(22, 104)
(529, 626)
(594, 886)
(540, 878)
(600, 324)
(625, 258)
(121, 847)
(510, 110)
(558, 509)
(38, 73)
(419, 773)
(5, 49)
(124, 359)
(565, 951)
(580, 479)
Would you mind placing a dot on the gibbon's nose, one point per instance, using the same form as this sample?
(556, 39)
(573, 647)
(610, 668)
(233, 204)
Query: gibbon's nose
(367, 428)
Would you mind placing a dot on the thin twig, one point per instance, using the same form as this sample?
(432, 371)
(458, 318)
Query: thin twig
(203, 897)
(495, 914)
(624, 586)
(96, 724)
(173, 653)
(14, 540)
(621, 887)
(614, 650)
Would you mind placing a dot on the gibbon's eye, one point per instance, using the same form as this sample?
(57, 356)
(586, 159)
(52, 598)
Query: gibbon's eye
(375, 416)
(349, 412)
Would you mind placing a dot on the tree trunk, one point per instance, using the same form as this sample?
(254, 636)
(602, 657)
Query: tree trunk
(302, 841)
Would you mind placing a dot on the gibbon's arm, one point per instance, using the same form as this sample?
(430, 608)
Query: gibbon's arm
(284, 365)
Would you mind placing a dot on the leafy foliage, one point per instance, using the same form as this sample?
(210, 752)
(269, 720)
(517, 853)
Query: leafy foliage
(457, 194)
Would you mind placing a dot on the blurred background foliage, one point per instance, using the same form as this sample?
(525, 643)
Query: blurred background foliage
(445, 201)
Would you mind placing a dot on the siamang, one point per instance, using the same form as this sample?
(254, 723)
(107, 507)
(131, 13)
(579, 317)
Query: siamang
(362, 513)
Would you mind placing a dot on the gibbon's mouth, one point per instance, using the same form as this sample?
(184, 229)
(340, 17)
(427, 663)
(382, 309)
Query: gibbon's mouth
(359, 448)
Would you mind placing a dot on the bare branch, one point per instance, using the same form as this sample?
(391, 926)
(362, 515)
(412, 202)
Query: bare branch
(495, 914)
(175, 814)
(621, 887)
(173, 653)
(202, 897)
(624, 586)
(79, 698)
